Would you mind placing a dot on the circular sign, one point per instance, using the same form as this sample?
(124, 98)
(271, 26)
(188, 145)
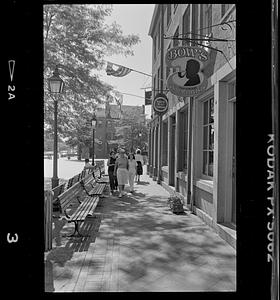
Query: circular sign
(160, 103)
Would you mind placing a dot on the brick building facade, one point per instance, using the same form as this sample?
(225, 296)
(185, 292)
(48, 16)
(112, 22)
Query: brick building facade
(192, 146)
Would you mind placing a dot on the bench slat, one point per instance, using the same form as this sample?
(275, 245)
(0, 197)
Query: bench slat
(84, 209)
(98, 189)
(67, 196)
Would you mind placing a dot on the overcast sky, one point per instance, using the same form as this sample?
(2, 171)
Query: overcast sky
(133, 19)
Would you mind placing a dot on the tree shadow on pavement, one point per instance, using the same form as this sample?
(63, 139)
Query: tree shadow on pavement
(89, 229)
(60, 255)
(142, 183)
(62, 231)
(136, 195)
(151, 237)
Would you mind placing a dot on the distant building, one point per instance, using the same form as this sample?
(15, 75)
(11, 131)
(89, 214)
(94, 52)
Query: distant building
(196, 157)
(107, 120)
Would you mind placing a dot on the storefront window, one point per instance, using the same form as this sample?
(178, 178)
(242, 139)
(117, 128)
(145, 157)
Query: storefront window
(208, 137)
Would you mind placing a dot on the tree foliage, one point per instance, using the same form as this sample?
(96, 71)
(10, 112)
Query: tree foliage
(76, 39)
(130, 131)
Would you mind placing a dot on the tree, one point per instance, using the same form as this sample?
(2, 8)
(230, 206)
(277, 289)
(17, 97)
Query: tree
(77, 39)
(130, 130)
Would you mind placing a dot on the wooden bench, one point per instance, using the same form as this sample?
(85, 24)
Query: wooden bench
(86, 204)
(97, 185)
(77, 192)
(56, 192)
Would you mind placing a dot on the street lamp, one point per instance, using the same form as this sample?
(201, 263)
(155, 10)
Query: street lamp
(93, 124)
(56, 86)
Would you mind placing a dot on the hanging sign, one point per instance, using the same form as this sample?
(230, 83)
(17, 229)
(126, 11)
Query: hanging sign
(189, 80)
(148, 97)
(160, 103)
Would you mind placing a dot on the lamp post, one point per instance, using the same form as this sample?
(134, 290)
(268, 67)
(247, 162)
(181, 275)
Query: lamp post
(93, 124)
(56, 86)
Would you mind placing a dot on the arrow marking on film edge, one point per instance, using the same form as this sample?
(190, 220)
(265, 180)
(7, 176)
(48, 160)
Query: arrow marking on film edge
(11, 68)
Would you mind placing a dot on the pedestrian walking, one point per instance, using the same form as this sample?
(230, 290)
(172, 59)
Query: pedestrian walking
(112, 177)
(140, 162)
(121, 170)
(132, 168)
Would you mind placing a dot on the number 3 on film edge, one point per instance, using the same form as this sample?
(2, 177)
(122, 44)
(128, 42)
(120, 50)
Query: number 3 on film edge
(13, 239)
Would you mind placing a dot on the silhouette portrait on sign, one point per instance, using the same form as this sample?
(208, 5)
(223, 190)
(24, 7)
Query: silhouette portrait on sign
(191, 73)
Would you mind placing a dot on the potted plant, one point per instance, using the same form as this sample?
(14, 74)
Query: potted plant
(175, 204)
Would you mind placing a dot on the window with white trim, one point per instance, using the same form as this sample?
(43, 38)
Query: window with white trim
(208, 137)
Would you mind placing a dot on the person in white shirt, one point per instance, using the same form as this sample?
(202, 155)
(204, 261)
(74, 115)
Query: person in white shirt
(121, 171)
(140, 162)
(132, 168)
(88, 165)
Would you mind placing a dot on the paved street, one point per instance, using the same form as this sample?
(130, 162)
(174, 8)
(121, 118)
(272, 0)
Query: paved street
(137, 244)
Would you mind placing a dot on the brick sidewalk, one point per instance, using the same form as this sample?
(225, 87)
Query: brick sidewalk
(137, 244)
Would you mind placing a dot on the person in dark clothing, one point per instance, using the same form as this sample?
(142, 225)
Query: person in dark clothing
(111, 166)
